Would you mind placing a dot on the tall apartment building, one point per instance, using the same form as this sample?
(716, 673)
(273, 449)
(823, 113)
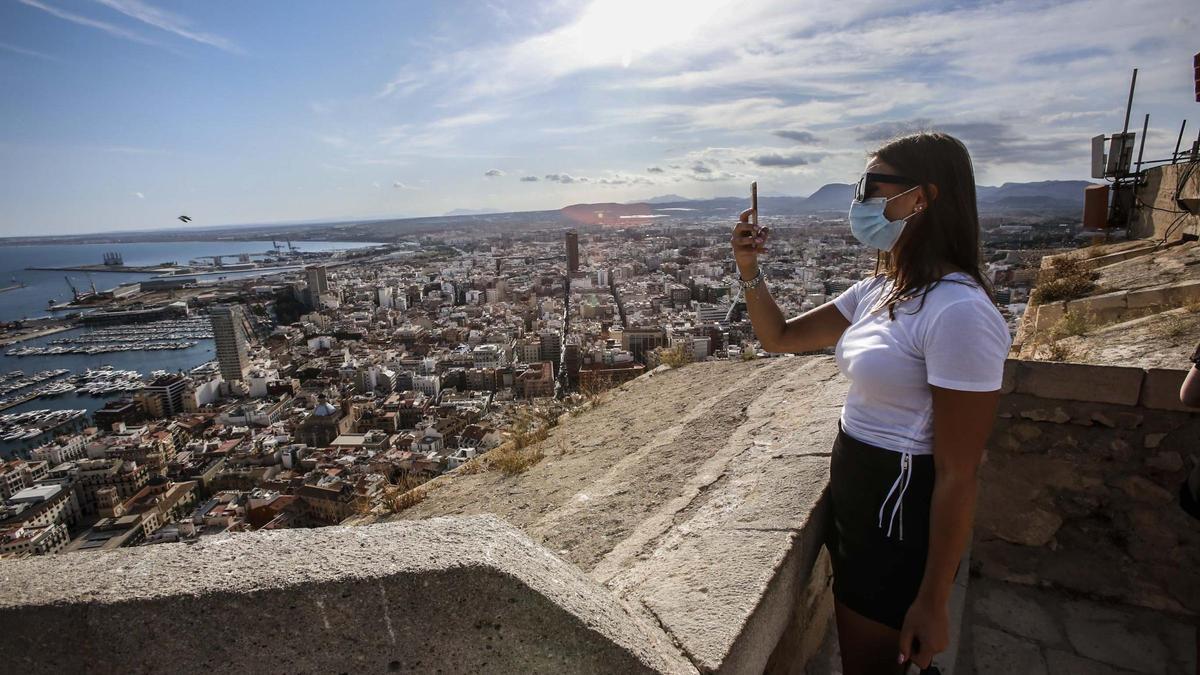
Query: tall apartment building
(230, 336)
(572, 251)
(551, 347)
(318, 282)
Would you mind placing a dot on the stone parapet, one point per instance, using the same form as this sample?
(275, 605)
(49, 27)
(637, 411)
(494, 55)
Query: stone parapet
(462, 595)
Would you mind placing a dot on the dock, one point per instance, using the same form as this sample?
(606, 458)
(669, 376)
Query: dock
(151, 269)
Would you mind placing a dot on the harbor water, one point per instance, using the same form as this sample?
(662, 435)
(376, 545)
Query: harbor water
(40, 286)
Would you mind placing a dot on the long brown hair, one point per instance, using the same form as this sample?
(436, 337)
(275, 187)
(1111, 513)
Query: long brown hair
(947, 231)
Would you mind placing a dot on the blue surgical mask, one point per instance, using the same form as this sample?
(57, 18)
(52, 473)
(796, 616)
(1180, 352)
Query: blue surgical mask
(871, 227)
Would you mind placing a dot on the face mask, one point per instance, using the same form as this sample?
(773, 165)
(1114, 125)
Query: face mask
(871, 227)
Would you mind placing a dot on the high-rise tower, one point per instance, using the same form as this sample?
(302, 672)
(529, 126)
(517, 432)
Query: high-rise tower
(572, 251)
(230, 335)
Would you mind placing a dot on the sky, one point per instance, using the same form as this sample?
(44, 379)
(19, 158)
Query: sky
(123, 114)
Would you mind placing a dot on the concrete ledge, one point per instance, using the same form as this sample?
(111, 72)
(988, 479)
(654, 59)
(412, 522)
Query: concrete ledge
(464, 594)
(1080, 382)
(1160, 390)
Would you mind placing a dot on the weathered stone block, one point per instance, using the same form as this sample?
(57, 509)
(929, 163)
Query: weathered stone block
(1151, 441)
(1143, 489)
(1120, 450)
(1016, 613)
(1047, 316)
(998, 653)
(1080, 382)
(1150, 297)
(1062, 662)
(1106, 304)
(1024, 432)
(1056, 415)
(1127, 420)
(1028, 526)
(1169, 461)
(1160, 390)
(1097, 634)
(1011, 369)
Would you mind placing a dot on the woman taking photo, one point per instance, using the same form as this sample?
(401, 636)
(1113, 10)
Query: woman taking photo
(923, 347)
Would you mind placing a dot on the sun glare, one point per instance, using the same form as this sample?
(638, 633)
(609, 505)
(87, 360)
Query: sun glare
(621, 31)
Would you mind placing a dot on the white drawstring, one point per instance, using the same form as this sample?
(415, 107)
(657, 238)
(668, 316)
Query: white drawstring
(902, 482)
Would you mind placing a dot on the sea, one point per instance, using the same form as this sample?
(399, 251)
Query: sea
(40, 287)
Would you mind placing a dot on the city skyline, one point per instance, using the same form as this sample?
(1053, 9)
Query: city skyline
(123, 115)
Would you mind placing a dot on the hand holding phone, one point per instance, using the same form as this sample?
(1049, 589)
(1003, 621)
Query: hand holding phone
(749, 239)
(754, 206)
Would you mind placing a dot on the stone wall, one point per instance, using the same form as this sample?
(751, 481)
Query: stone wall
(1159, 190)
(1118, 305)
(1081, 483)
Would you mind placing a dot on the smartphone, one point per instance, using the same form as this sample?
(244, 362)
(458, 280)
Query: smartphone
(754, 205)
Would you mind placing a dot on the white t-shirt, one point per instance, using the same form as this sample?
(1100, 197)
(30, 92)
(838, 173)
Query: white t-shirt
(958, 340)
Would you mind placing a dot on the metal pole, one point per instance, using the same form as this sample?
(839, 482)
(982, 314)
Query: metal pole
(1121, 170)
(1142, 146)
(1175, 155)
(1129, 103)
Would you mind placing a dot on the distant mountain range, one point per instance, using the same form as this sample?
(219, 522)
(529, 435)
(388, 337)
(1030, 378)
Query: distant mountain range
(473, 212)
(1054, 198)
(1051, 196)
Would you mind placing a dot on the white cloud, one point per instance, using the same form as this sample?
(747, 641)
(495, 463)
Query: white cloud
(28, 52)
(334, 140)
(169, 22)
(400, 185)
(115, 31)
(139, 195)
(493, 173)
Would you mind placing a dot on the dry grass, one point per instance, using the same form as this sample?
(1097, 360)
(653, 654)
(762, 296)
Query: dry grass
(409, 499)
(472, 466)
(1074, 323)
(1066, 279)
(676, 356)
(1174, 325)
(1057, 351)
(512, 461)
(594, 388)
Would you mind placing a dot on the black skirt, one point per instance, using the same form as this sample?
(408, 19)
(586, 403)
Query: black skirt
(878, 537)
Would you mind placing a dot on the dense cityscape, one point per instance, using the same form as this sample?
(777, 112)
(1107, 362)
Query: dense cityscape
(339, 387)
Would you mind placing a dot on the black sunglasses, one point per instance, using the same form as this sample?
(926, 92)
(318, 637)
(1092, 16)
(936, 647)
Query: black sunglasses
(863, 187)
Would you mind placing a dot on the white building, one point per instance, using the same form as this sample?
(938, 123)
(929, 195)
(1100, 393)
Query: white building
(489, 356)
(429, 385)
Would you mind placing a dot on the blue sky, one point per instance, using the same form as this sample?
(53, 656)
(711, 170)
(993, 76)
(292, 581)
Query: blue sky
(122, 114)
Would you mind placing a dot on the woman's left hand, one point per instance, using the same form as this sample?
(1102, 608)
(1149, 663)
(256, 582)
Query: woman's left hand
(926, 631)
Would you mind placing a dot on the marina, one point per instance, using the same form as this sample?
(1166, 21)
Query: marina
(99, 349)
(31, 428)
(171, 334)
(16, 380)
(102, 381)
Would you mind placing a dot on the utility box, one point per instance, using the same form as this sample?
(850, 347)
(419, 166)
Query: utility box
(1095, 207)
